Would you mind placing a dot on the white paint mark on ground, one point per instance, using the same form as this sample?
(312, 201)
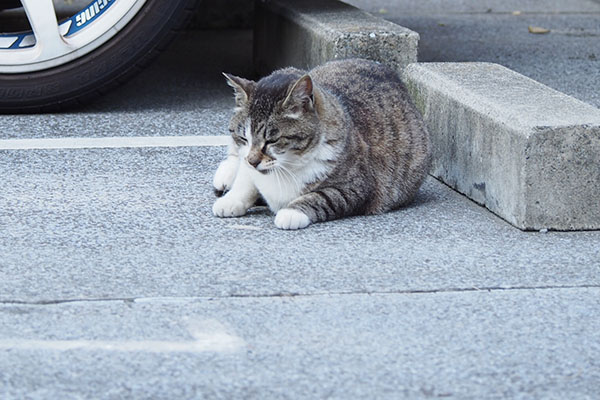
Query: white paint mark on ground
(245, 227)
(214, 343)
(113, 142)
(209, 336)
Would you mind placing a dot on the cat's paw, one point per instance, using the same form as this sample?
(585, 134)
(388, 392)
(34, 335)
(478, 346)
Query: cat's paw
(225, 174)
(226, 207)
(288, 218)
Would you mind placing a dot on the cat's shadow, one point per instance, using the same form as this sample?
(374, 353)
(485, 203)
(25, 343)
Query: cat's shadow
(425, 196)
(260, 210)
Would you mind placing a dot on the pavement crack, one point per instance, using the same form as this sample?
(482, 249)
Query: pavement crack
(490, 289)
(493, 12)
(132, 300)
(63, 301)
(413, 291)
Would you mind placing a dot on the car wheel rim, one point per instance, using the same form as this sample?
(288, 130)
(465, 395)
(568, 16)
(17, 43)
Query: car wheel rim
(50, 43)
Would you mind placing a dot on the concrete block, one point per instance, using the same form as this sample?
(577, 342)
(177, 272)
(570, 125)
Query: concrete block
(223, 14)
(307, 33)
(528, 153)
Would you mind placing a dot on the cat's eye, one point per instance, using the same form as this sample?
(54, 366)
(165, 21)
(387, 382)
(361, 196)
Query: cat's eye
(272, 136)
(242, 139)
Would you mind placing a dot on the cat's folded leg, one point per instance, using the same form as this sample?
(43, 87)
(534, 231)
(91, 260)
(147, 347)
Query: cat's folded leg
(296, 214)
(225, 174)
(324, 204)
(289, 218)
(239, 198)
(227, 170)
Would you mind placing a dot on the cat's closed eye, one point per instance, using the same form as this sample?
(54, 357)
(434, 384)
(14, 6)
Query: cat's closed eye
(240, 140)
(272, 137)
(237, 137)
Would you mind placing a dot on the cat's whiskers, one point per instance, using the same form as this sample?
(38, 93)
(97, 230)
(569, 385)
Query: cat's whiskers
(293, 178)
(291, 163)
(276, 172)
(268, 166)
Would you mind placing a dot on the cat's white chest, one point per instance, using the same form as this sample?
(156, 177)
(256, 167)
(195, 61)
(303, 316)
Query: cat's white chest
(278, 188)
(284, 184)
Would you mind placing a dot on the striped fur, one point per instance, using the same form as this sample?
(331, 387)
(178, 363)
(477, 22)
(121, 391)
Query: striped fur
(343, 139)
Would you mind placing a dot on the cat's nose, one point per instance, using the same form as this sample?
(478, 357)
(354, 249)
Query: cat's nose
(254, 161)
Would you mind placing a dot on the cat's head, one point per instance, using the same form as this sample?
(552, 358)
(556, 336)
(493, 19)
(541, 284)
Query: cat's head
(275, 121)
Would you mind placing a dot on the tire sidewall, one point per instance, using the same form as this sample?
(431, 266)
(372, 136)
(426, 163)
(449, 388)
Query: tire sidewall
(95, 71)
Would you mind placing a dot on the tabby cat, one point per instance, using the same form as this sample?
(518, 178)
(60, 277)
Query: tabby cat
(343, 139)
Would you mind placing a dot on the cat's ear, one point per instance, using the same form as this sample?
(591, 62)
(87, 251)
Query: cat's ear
(243, 88)
(300, 97)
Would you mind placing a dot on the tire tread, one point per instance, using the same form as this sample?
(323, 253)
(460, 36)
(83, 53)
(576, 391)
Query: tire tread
(180, 17)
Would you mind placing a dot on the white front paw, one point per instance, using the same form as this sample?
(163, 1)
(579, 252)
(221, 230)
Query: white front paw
(229, 207)
(226, 173)
(288, 218)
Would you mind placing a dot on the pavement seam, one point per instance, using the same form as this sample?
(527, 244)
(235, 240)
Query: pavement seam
(131, 300)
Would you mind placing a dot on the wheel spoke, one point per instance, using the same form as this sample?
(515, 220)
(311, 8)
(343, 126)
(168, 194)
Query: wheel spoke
(48, 45)
(42, 18)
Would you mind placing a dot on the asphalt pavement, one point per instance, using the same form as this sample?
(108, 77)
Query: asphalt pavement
(117, 282)
(567, 58)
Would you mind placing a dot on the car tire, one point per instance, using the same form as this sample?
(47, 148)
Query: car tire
(95, 73)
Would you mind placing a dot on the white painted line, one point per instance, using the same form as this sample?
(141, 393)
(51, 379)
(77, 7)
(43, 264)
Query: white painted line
(214, 343)
(209, 335)
(113, 142)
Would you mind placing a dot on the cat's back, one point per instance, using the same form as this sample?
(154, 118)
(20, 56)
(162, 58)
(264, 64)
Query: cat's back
(358, 79)
(372, 94)
(384, 129)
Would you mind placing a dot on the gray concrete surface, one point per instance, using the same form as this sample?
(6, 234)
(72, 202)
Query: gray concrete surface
(126, 223)
(498, 344)
(566, 59)
(525, 151)
(308, 33)
(441, 299)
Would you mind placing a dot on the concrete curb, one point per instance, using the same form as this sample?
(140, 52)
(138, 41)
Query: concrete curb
(307, 33)
(527, 152)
